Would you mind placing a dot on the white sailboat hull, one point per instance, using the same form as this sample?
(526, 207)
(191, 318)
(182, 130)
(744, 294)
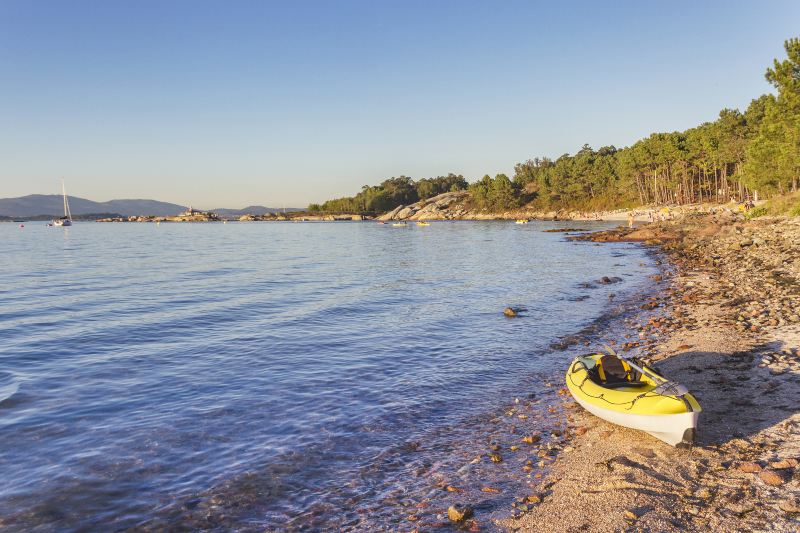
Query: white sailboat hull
(668, 428)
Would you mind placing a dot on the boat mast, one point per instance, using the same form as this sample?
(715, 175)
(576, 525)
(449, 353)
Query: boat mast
(66, 202)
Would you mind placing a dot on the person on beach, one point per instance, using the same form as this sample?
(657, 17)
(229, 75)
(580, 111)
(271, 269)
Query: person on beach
(630, 219)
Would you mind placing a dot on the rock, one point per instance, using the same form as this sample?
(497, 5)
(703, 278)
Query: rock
(531, 439)
(645, 452)
(459, 513)
(391, 215)
(783, 464)
(630, 515)
(496, 457)
(771, 478)
(534, 498)
(790, 506)
(750, 468)
(509, 312)
(739, 508)
(404, 213)
(703, 494)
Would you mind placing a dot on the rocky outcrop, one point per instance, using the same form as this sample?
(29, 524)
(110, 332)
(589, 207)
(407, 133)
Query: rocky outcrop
(391, 214)
(446, 206)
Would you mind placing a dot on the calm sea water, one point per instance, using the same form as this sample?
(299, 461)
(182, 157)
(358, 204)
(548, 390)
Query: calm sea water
(278, 376)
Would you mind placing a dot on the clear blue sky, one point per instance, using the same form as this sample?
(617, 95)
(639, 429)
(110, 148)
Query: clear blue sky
(284, 103)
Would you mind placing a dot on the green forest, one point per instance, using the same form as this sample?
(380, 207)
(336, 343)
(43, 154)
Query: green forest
(733, 158)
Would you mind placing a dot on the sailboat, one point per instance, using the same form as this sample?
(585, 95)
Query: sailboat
(66, 220)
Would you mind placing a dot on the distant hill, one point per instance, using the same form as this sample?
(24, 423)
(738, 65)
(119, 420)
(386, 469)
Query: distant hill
(53, 204)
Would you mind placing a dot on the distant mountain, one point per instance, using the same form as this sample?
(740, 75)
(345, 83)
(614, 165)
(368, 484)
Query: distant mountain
(53, 204)
(37, 205)
(254, 210)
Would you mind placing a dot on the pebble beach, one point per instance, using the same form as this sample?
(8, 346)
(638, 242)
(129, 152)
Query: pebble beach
(726, 325)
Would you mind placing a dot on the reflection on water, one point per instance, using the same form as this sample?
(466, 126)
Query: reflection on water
(280, 376)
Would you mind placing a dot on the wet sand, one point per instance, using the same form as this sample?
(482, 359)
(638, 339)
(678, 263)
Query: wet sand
(728, 328)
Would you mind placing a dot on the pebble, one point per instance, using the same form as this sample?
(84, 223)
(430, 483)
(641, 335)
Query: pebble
(790, 506)
(703, 494)
(630, 515)
(750, 468)
(783, 464)
(771, 478)
(740, 508)
(459, 513)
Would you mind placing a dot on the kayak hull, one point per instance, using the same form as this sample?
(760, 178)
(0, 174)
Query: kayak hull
(675, 430)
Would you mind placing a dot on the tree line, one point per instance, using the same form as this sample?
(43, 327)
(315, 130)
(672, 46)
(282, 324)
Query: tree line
(731, 158)
(391, 193)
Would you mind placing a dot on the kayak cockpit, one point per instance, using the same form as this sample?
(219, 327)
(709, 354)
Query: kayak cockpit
(612, 372)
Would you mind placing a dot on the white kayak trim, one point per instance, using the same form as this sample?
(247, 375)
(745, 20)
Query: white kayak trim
(668, 428)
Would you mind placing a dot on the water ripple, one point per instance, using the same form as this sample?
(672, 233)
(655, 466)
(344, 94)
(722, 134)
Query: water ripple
(284, 373)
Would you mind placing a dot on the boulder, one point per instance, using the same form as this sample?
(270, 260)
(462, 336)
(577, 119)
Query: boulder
(405, 213)
(391, 214)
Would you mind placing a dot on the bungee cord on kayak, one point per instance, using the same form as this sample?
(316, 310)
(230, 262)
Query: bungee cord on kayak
(601, 396)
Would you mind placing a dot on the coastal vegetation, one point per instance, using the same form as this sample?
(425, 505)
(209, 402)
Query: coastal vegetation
(392, 193)
(738, 156)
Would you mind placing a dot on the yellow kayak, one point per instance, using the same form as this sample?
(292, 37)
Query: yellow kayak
(420, 223)
(633, 395)
(521, 221)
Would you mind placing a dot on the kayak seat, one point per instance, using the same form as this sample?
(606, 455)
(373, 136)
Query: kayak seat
(612, 371)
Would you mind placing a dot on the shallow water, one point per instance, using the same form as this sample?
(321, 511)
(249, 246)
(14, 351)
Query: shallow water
(278, 376)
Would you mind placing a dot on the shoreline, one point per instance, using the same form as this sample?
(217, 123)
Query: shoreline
(727, 328)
